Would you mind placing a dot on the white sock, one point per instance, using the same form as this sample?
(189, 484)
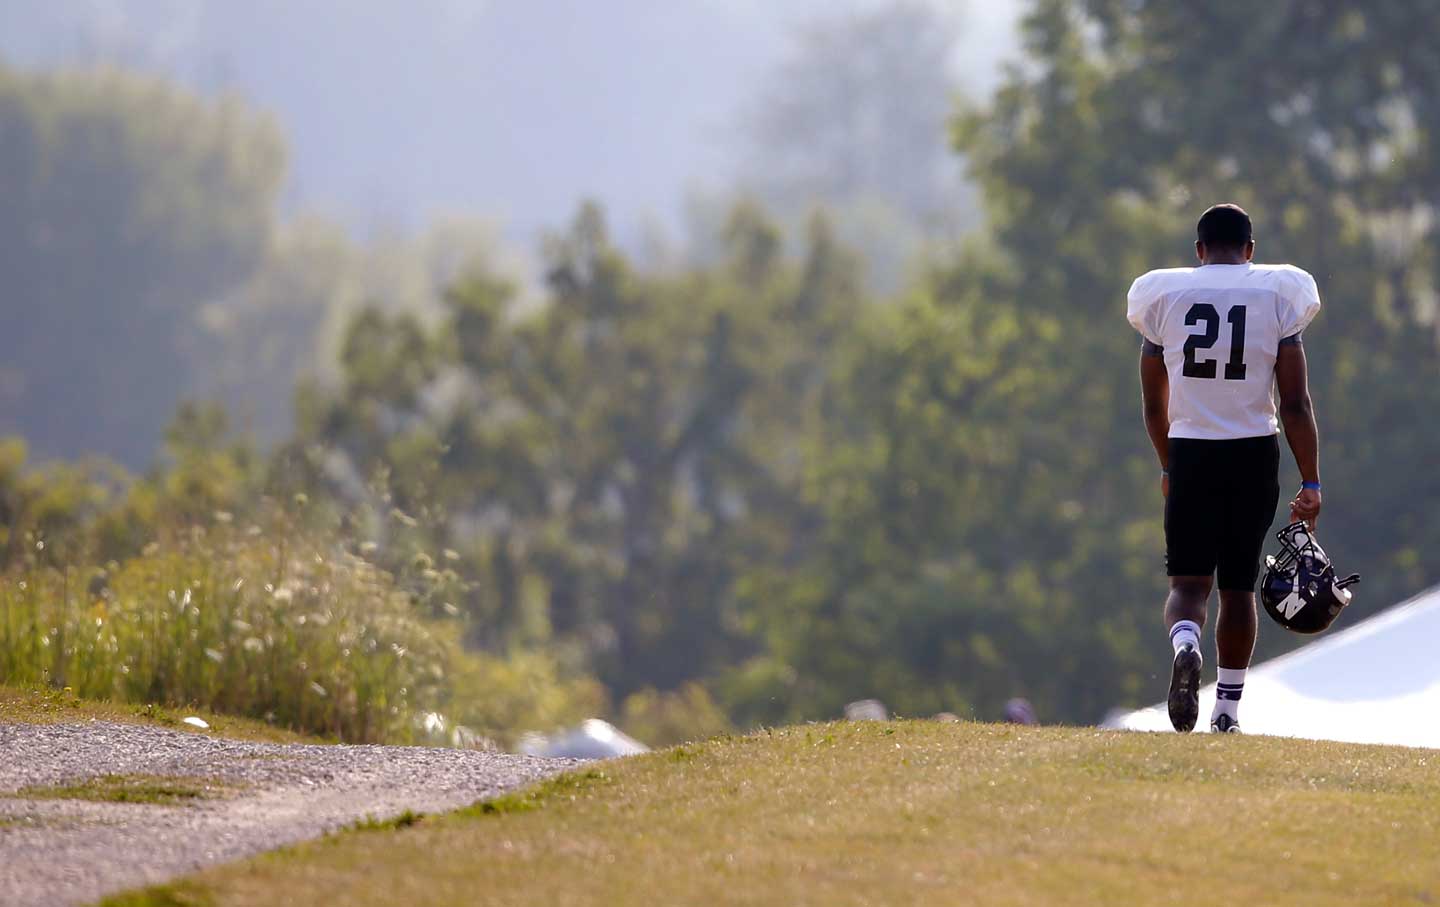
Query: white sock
(1185, 631)
(1227, 692)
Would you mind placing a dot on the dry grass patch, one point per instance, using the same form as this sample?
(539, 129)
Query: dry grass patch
(157, 789)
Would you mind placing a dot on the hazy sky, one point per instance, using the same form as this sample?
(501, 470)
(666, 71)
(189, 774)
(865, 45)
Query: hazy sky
(509, 109)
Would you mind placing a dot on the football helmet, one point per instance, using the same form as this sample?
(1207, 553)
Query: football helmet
(1299, 589)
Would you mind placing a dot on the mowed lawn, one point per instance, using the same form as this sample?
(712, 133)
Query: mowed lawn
(904, 813)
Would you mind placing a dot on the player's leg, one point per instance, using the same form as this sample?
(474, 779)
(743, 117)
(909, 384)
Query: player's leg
(1249, 512)
(1187, 602)
(1185, 616)
(1191, 553)
(1235, 631)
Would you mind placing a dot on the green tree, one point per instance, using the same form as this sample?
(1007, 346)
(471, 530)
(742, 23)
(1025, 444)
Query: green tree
(858, 109)
(128, 204)
(608, 462)
(853, 121)
(287, 323)
(1331, 149)
(990, 504)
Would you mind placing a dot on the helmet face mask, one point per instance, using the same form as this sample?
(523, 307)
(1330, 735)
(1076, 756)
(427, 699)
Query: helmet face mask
(1299, 590)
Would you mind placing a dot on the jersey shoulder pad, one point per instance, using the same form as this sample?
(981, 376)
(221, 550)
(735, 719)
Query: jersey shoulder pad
(1154, 283)
(1301, 297)
(1289, 276)
(1281, 269)
(1144, 292)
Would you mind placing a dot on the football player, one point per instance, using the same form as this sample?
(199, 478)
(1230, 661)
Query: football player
(1220, 340)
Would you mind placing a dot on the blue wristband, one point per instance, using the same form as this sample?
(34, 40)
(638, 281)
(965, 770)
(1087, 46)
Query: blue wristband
(1311, 486)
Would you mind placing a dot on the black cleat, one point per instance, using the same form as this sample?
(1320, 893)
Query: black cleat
(1185, 689)
(1224, 724)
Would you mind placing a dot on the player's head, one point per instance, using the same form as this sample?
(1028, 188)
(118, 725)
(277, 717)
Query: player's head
(1224, 234)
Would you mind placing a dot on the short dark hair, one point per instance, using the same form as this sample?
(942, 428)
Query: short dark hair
(1225, 227)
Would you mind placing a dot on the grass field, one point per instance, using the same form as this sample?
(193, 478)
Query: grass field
(903, 813)
(28, 705)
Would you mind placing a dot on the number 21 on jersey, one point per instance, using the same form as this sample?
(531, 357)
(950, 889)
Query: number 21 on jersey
(1203, 313)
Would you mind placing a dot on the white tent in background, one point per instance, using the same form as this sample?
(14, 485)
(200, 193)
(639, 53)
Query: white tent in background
(1375, 682)
(591, 739)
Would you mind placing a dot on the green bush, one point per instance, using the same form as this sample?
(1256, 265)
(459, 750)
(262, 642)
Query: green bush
(679, 716)
(270, 624)
(502, 697)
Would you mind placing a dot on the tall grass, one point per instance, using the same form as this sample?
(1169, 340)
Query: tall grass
(272, 625)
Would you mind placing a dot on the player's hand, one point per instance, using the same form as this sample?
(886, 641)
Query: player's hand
(1306, 506)
(1165, 485)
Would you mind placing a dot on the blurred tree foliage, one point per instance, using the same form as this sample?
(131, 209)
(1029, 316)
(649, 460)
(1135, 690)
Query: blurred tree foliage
(853, 120)
(740, 482)
(857, 110)
(606, 464)
(287, 322)
(145, 263)
(127, 203)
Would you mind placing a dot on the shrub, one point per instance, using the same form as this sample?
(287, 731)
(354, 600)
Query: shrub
(502, 697)
(269, 624)
(679, 716)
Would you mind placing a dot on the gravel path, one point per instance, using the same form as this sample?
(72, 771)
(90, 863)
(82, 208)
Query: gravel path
(74, 851)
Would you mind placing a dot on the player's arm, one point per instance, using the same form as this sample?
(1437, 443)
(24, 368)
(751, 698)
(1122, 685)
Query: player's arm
(1297, 414)
(1155, 402)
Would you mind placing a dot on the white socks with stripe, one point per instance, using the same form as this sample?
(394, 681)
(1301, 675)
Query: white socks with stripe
(1185, 631)
(1231, 681)
(1227, 692)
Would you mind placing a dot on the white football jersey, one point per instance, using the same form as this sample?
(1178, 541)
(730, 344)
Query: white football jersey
(1221, 327)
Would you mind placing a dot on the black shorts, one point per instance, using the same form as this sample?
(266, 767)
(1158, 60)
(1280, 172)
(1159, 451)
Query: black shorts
(1223, 496)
